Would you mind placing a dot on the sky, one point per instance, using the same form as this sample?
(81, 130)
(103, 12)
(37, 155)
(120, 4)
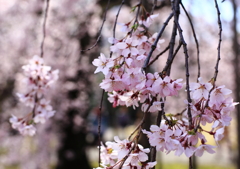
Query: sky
(204, 8)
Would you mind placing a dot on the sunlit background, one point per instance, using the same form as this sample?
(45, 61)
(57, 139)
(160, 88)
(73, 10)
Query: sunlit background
(69, 140)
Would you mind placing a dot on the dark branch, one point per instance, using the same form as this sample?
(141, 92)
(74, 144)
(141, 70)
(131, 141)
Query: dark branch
(99, 128)
(160, 54)
(195, 38)
(44, 28)
(154, 6)
(100, 31)
(170, 60)
(158, 123)
(187, 73)
(176, 11)
(153, 47)
(115, 24)
(219, 42)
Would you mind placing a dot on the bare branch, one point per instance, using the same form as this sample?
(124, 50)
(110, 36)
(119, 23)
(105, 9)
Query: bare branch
(154, 6)
(160, 54)
(99, 128)
(219, 42)
(44, 27)
(100, 30)
(195, 38)
(115, 23)
(170, 60)
(187, 72)
(153, 47)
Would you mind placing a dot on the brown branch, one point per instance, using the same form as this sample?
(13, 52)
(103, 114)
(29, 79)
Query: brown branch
(170, 60)
(115, 24)
(44, 28)
(158, 123)
(154, 6)
(219, 42)
(99, 128)
(100, 30)
(153, 47)
(216, 66)
(195, 38)
(176, 12)
(160, 54)
(143, 119)
(136, 18)
(187, 75)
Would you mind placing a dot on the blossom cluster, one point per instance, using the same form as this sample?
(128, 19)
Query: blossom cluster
(125, 80)
(114, 153)
(38, 79)
(210, 104)
(128, 84)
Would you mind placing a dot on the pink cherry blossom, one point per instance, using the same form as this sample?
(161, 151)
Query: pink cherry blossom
(200, 90)
(103, 64)
(204, 147)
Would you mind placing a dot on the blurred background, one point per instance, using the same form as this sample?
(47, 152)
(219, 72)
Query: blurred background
(69, 140)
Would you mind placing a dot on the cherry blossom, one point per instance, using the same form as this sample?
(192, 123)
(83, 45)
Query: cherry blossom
(39, 79)
(103, 64)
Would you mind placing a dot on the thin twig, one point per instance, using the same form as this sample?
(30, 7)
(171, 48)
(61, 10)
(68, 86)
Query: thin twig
(143, 119)
(219, 42)
(176, 11)
(158, 123)
(170, 60)
(153, 47)
(154, 6)
(136, 18)
(157, 57)
(138, 134)
(187, 76)
(190, 163)
(44, 28)
(195, 38)
(99, 128)
(216, 66)
(115, 24)
(100, 30)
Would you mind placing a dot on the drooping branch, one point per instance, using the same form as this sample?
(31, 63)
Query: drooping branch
(100, 30)
(219, 42)
(99, 128)
(158, 123)
(136, 18)
(154, 6)
(143, 119)
(153, 47)
(176, 12)
(217, 63)
(187, 76)
(115, 23)
(195, 39)
(44, 28)
(160, 54)
(170, 60)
